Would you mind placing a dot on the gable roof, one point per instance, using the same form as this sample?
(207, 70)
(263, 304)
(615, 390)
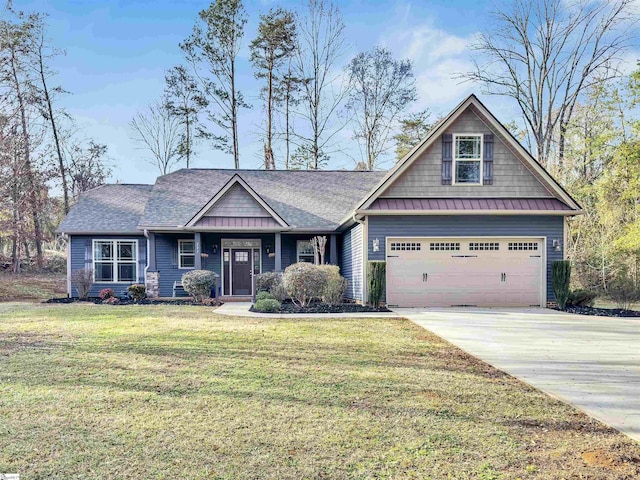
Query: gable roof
(235, 182)
(114, 208)
(471, 101)
(302, 199)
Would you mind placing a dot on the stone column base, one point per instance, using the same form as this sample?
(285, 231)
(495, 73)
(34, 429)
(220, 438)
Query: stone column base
(153, 284)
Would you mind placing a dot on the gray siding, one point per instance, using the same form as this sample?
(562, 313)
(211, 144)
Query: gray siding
(167, 248)
(551, 227)
(82, 257)
(237, 202)
(351, 261)
(510, 177)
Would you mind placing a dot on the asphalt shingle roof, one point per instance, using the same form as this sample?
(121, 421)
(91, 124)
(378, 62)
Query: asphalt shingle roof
(108, 208)
(304, 199)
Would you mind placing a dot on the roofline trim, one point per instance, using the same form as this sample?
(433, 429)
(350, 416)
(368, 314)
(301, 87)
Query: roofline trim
(469, 212)
(235, 179)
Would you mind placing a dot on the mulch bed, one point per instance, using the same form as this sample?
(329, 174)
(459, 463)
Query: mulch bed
(290, 308)
(603, 312)
(147, 301)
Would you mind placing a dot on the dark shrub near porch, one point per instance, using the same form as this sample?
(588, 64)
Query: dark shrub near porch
(137, 292)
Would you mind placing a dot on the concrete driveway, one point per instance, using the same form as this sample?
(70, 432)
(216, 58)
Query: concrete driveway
(590, 362)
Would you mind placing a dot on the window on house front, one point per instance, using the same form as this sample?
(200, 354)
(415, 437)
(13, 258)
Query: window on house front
(115, 261)
(467, 159)
(186, 254)
(305, 251)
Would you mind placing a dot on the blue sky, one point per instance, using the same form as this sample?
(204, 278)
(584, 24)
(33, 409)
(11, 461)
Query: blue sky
(117, 53)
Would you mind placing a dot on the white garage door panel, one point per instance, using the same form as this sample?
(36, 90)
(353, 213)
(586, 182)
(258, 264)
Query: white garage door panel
(463, 271)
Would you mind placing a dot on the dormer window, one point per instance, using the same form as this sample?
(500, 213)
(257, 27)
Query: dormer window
(467, 159)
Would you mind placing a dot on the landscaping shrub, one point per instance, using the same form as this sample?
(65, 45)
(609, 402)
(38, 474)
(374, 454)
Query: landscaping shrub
(266, 305)
(279, 292)
(198, 283)
(111, 301)
(376, 278)
(623, 291)
(83, 281)
(264, 296)
(560, 279)
(265, 282)
(336, 285)
(106, 293)
(304, 282)
(137, 292)
(581, 298)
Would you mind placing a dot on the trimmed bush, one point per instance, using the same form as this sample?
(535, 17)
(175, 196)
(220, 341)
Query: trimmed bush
(376, 280)
(266, 282)
(83, 281)
(279, 292)
(199, 283)
(267, 305)
(111, 301)
(137, 292)
(560, 279)
(581, 298)
(336, 286)
(106, 293)
(304, 282)
(264, 296)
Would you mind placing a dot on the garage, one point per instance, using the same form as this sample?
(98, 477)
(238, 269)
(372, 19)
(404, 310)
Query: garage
(454, 271)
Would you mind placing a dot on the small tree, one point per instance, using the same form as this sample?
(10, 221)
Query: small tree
(376, 278)
(560, 280)
(83, 281)
(319, 245)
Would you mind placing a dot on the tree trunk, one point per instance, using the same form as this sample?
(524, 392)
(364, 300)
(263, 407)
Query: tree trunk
(234, 116)
(286, 124)
(187, 139)
(54, 129)
(33, 197)
(269, 162)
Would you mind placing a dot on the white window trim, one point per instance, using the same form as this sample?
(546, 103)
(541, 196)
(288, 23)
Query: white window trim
(180, 255)
(298, 249)
(114, 262)
(455, 160)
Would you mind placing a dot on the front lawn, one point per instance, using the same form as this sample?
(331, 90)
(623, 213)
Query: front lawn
(92, 391)
(31, 286)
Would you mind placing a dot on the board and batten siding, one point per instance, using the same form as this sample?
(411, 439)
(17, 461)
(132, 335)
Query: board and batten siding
(351, 263)
(82, 257)
(549, 227)
(511, 178)
(237, 202)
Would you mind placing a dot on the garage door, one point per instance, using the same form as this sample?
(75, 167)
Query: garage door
(443, 272)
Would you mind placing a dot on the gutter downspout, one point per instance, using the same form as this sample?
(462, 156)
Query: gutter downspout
(67, 238)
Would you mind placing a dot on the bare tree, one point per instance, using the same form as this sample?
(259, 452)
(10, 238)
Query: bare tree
(185, 101)
(87, 165)
(380, 88)
(288, 97)
(321, 44)
(545, 54)
(212, 50)
(270, 50)
(157, 132)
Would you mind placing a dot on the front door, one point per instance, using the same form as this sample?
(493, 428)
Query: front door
(241, 264)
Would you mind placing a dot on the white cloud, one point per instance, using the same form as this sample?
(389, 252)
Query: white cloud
(437, 55)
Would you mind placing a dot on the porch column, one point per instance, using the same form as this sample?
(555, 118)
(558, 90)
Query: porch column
(333, 250)
(152, 252)
(198, 245)
(278, 251)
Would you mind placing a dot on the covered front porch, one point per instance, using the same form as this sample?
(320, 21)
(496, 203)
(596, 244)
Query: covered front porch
(236, 257)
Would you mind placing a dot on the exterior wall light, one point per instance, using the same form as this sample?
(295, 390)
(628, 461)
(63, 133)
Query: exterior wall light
(557, 246)
(376, 245)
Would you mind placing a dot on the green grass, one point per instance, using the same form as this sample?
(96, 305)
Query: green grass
(93, 391)
(31, 286)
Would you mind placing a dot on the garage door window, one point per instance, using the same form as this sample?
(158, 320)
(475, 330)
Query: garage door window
(445, 246)
(405, 246)
(483, 246)
(523, 245)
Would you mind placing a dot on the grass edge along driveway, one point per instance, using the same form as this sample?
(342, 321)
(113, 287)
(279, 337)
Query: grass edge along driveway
(91, 391)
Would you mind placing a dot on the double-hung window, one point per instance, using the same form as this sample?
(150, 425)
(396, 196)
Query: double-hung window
(115, 261)
(467, 159)
(186, 254)
(305, 251)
